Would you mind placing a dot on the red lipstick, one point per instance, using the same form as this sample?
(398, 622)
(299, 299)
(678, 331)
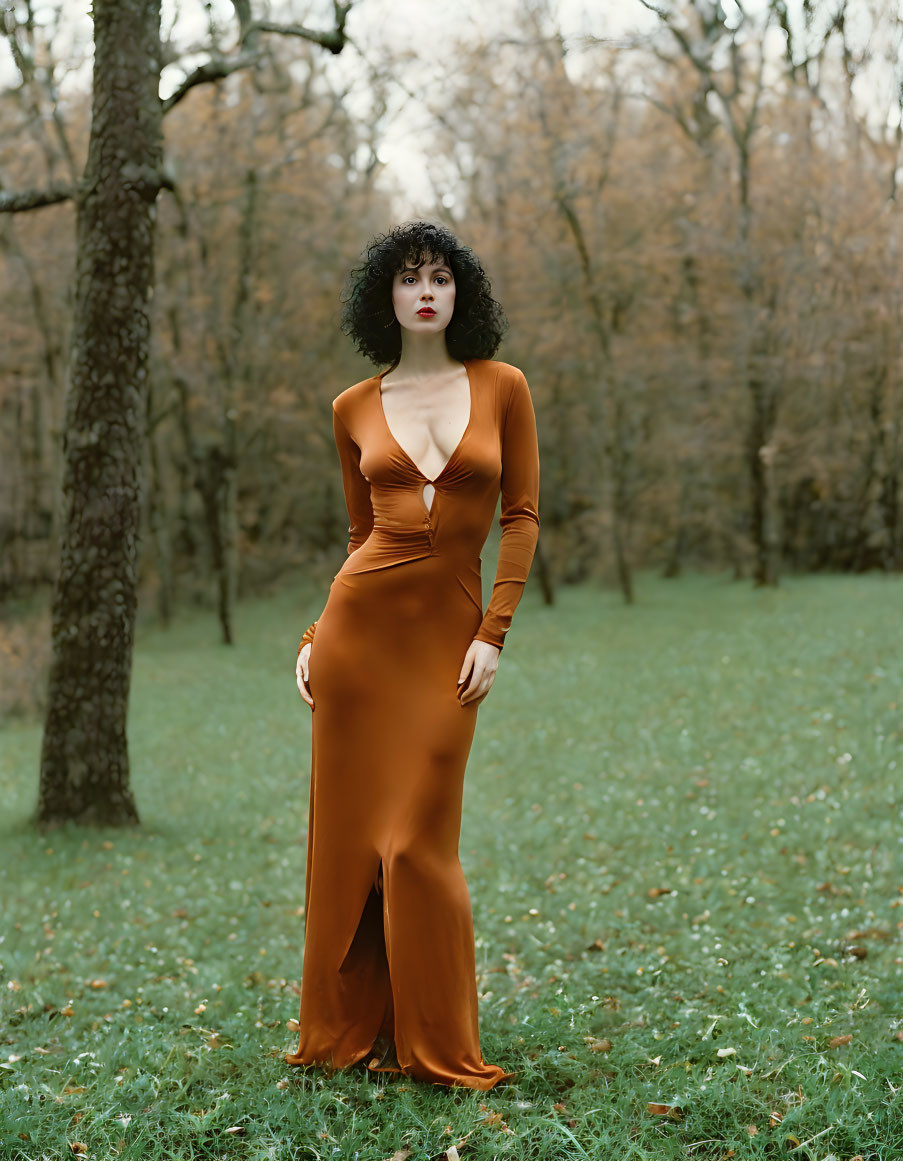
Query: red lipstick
(426, 311)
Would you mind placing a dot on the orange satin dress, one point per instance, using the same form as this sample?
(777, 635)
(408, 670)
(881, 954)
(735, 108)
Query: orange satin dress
(388, 926)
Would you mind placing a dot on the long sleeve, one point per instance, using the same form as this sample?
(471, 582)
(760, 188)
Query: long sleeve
(519, 519)
(357, 498)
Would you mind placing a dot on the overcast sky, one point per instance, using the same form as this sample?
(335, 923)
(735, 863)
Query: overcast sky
(427, 27)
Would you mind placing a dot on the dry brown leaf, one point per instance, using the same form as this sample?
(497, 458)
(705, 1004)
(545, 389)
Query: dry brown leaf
(654, 892)
(839, 1041)
(600, 1045)
(78, 1147)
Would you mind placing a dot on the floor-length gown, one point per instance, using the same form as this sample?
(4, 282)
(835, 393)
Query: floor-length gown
(388, 927)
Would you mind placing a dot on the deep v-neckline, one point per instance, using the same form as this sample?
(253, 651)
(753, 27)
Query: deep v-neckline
(420, 472)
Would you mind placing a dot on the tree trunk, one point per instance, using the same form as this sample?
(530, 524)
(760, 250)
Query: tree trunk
(760, 449)
(84, 759)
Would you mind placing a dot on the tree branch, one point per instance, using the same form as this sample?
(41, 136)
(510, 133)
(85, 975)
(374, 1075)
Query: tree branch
(15, 201)
(218, 67)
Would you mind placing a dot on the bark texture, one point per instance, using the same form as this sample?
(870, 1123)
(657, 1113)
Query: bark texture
(84, 758)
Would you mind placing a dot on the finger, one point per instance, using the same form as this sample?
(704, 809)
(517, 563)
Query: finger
(304, 691)
(472, 690)
(480, 689)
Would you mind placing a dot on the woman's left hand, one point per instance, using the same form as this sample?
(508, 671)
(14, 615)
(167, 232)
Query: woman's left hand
(483, 660)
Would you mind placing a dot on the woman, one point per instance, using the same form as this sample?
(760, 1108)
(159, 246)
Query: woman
(402, 655)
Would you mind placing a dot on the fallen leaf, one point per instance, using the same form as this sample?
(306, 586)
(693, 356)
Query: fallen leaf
(839, 1041)
(603, 1045)
(661, 1110)
(654, 892)
(215, 1040)
(752, 1130)
(98, 983)
(78, 1147)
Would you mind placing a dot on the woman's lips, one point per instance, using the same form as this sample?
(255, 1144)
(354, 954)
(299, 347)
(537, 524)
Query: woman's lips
(427, 312)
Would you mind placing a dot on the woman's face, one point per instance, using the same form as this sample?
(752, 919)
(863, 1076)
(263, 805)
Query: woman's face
(424, 296)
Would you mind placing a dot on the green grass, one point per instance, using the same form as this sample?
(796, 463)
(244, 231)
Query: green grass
(740, 748)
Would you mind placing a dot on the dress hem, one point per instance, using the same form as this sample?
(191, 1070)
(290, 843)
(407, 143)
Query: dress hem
(474, 1082)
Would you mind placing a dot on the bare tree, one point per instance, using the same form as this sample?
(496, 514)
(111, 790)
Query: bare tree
(737, 89)
(84, 761)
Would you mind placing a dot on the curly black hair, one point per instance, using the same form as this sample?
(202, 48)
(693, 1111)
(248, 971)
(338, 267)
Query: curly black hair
(368, 316)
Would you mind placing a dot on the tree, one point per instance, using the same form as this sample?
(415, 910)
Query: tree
(84, 772)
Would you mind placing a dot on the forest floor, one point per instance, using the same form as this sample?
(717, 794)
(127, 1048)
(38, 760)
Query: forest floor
(683, 839)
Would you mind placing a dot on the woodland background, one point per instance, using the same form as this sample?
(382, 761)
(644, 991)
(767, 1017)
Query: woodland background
(694, 229)
(683, 813)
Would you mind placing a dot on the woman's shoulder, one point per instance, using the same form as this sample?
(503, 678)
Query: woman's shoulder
(509, 382)
(503, 370)
(503, 374)
(348, 399)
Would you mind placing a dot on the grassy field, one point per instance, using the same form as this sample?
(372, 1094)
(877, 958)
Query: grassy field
(683, 837)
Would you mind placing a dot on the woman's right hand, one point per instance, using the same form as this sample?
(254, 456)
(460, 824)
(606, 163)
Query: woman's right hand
(302, 671)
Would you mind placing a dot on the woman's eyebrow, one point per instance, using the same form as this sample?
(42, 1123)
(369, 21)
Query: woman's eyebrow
(414, 269)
